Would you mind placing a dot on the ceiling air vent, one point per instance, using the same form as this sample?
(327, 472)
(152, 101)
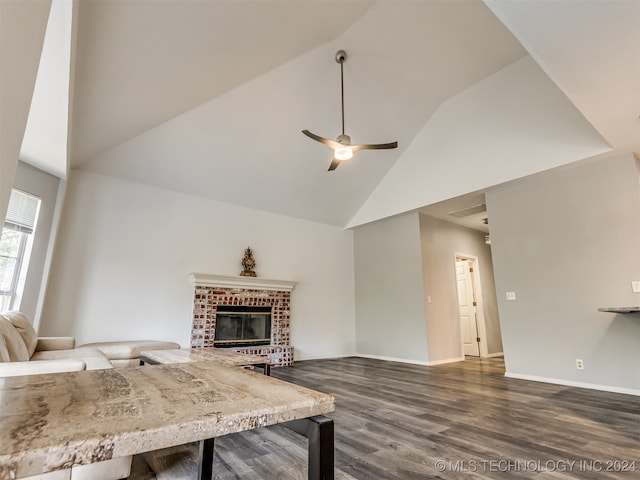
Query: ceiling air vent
(465, 212)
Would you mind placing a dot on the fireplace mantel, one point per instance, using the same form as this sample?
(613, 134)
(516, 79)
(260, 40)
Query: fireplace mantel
(250, 283)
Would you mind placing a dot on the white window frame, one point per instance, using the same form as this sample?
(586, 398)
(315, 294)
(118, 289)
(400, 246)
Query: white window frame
(22, 216)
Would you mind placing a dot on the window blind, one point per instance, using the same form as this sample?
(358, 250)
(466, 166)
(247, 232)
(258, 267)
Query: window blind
(22, 212)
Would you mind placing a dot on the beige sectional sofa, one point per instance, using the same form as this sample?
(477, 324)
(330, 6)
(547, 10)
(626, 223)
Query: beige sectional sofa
(20, 346)
(22, 352)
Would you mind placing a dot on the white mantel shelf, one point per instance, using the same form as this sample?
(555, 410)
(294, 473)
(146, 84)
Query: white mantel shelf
(252, 283)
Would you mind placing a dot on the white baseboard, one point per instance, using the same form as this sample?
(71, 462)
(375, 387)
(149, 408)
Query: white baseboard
(498, 354)
(569, 383)
(391, 359)
(412, 362)
(447, 360)
(322, 357)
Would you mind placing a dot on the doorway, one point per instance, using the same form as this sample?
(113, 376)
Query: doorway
(470, 312)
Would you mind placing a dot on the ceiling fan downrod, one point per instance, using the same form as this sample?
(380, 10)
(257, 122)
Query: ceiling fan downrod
(341, 56)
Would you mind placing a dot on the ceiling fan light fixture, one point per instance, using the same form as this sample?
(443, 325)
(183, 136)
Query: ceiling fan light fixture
(343, 153)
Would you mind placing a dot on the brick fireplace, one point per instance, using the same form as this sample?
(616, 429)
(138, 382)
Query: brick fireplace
(211, 291)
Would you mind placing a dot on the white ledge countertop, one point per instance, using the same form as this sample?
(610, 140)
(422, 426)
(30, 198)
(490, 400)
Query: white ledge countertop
(49, 422)
(251, 283)
(620, 309)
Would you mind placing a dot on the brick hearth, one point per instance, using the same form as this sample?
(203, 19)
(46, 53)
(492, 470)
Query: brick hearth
(213, 290)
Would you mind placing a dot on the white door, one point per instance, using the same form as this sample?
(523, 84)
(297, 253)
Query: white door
(467, 309)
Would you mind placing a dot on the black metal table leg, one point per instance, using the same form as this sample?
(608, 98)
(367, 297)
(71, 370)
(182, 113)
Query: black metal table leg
(205, 459)
(319, 432)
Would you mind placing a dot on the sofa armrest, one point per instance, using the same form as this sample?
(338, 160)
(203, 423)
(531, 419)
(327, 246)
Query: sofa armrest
(55, 343)
(38, 367)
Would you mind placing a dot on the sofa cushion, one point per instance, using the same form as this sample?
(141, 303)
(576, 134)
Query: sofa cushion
(55, 343)
(129, 349)
(119, 467)
(15, 345)
(64, 474)
(94, 359)
(24, 328)
(40, 367)
(125, 362)
(4, 352)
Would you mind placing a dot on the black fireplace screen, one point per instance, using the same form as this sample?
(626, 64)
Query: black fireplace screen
(240, 326)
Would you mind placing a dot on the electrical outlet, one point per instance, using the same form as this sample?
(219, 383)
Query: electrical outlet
(511, 295)
(635, 286)
(579, 364)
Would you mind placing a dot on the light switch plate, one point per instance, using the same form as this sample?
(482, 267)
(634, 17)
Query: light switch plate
(511, 295)
(635, 286)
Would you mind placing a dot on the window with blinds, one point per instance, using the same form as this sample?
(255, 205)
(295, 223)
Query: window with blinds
(22, 212)
(15, 244)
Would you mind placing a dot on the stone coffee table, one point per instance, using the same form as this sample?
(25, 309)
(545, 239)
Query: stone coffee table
(222, 355)
(54, 421)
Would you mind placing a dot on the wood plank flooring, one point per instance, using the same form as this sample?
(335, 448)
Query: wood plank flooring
(462, 420)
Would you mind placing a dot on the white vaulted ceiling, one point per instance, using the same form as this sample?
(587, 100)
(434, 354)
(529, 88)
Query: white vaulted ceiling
(141, 63)
(209, 97)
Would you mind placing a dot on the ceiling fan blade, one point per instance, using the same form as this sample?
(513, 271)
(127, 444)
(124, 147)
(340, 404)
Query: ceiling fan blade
(334, 164)
(330, 143)
(377, 146)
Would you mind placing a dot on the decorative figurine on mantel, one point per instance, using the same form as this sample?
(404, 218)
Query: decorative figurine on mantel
(248, 263)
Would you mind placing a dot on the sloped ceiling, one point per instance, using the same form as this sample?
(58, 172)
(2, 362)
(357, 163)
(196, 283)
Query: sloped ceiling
(512, 124)
(141, 63)
(591, 50)
(22, 24)
(208, 97)
(45, 141)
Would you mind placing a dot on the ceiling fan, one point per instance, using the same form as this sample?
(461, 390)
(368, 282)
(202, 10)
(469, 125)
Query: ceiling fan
(342, 148)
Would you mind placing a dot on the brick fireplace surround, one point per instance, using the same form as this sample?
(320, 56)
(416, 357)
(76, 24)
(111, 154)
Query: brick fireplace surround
(210, 291)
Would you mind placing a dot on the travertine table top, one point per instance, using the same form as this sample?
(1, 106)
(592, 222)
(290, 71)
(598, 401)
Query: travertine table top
(49, 422)
(228, 357)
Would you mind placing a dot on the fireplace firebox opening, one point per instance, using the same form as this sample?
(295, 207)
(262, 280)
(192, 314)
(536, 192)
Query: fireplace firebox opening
(242, 326)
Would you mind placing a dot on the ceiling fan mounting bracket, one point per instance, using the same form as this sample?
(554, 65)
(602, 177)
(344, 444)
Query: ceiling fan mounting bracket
(341, 56)
(344, 139)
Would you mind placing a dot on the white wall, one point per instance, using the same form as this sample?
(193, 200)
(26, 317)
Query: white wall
(441, 241)
(390, 315)
(512, 124)
(399, 262)
(45, 186)
(124, 251)
(567, 243)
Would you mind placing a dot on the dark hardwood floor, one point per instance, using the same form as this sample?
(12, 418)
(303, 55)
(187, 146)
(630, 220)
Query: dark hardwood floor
(462, 420)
